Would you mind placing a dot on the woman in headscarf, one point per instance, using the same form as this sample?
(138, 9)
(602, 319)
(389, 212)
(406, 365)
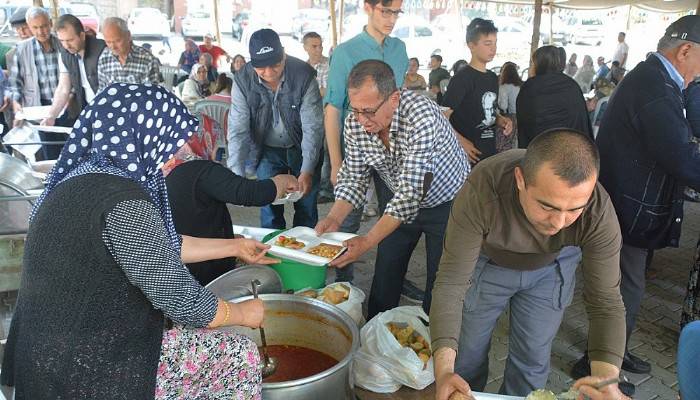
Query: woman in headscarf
(199, 189)
(103, 267)
(585, 74)
(189, 57)
(196, 87)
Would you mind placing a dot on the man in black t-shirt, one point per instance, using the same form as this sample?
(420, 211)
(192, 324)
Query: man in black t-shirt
(472, 95)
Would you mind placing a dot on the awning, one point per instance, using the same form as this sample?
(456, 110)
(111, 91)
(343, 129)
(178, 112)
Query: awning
(654, 5)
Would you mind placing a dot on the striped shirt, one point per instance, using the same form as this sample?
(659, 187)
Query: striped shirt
(424, 166)
(46, 65)
(140, 67)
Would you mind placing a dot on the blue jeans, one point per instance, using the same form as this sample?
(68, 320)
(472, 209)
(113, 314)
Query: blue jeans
(537, 301)
(275, 161)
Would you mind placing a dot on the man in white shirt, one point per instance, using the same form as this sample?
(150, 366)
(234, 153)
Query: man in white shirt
(77, 81)
(621, 51)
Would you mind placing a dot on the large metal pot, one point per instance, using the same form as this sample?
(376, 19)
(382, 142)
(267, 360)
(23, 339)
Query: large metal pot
(301, 321)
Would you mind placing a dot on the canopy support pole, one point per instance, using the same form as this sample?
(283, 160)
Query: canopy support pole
(340, 21)
(535, 42)
(697, 10)
(551, 24)
(334, 27)
(216, 21)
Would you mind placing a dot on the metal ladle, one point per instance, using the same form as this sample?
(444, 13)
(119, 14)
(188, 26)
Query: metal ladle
(269, 365)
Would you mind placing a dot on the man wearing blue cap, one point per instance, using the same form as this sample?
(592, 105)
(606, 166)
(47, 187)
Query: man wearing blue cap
(276, 116)
(646, 160)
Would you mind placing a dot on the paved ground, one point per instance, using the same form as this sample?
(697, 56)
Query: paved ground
(654, 340)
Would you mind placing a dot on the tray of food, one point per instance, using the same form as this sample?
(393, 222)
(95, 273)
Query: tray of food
(303, 245)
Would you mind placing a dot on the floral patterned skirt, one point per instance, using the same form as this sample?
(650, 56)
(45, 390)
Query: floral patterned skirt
(208, 364)
(691, 305)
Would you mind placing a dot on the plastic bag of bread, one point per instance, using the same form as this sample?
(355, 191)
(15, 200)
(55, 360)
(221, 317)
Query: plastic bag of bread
(342, 295)
(398, 341)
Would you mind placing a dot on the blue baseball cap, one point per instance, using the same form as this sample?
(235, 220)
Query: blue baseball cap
(265, 48)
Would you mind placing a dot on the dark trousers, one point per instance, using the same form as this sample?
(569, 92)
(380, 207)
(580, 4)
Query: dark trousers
(633, 261)
(52, 151)
(275, 161)
(394, 253)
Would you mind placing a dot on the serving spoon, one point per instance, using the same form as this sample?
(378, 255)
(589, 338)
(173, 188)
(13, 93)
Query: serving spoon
(269, 364)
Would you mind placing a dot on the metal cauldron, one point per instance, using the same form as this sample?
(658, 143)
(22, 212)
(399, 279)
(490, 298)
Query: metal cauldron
(301, 321)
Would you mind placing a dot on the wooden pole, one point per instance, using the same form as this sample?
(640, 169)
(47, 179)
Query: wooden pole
(54, 9)
(38, 3)
(551, 24)
(535, 42)
(697, 10)
(629, 17)
(341, 19)
(334, 29)
(216, 22)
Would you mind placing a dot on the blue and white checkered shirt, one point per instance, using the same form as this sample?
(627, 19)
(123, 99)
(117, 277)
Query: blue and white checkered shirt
(141, 67)
(421, 144)
(46, 64)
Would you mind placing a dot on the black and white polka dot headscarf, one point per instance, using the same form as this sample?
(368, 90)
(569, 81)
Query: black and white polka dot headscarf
(129, 131)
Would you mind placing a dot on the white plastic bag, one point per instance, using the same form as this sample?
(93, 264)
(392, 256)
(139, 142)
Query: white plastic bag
(352, 306)
(381, 347)
(372, 376)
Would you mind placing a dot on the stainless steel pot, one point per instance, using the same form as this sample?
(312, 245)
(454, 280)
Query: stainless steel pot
(301, 321)
(236, 283)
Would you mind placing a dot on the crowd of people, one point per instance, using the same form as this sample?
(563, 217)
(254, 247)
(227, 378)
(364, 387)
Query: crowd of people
(513, 184)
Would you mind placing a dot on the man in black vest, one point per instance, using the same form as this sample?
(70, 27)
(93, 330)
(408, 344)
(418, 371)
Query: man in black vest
(77, 82)
(276, 122)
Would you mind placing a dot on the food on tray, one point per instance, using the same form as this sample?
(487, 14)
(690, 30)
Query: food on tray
(309, 293)
(408, 337)
(335, 294)
(325, 250)
(460, 396)
(541, 394)
(289, 242)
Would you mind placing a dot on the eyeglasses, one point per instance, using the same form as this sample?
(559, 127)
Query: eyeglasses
(369, 114)
(388, 12)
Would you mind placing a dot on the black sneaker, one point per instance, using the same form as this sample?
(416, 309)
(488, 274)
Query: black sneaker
(627, 388)
(634, 364)
(581, 368)
(411, 293)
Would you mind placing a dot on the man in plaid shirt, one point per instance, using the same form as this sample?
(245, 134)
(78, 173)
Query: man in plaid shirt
(34, 73)
(123, 61)
(405, 138)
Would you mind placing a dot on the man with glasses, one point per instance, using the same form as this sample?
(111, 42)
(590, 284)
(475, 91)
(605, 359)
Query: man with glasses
(373, 43)
(512, 243)
(275, 118)
(419, 166)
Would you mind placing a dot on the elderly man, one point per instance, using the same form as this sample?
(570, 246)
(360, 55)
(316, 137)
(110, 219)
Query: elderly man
(123, 61)
(18, 21)
(406, 139)
(77, 81)
(512, 242)
(34, 72)
(215, 51)
(647, 158)
(276, 105)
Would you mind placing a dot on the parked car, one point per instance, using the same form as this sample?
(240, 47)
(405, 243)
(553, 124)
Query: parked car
(198, 24)
(422, 40)
(238, 24)
(146, 21)
(560, 30)
(87, 14)
(311, 20)
(588, 31)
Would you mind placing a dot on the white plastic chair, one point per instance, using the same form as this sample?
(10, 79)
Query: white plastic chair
(169, 73)
(217, 111)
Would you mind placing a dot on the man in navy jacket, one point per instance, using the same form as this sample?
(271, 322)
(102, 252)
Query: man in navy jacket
(646, 160)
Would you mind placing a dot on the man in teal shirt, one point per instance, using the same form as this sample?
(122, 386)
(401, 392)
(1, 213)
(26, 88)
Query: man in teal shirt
(375, 43)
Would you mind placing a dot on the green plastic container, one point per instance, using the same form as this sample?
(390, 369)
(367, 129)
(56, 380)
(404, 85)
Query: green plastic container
(295, 275)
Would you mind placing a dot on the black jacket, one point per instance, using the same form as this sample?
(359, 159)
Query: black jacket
(550, 101)
(93, 49)
(647, 156)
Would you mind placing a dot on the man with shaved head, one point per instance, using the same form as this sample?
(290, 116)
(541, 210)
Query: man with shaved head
(513, 240)
(122, 60)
